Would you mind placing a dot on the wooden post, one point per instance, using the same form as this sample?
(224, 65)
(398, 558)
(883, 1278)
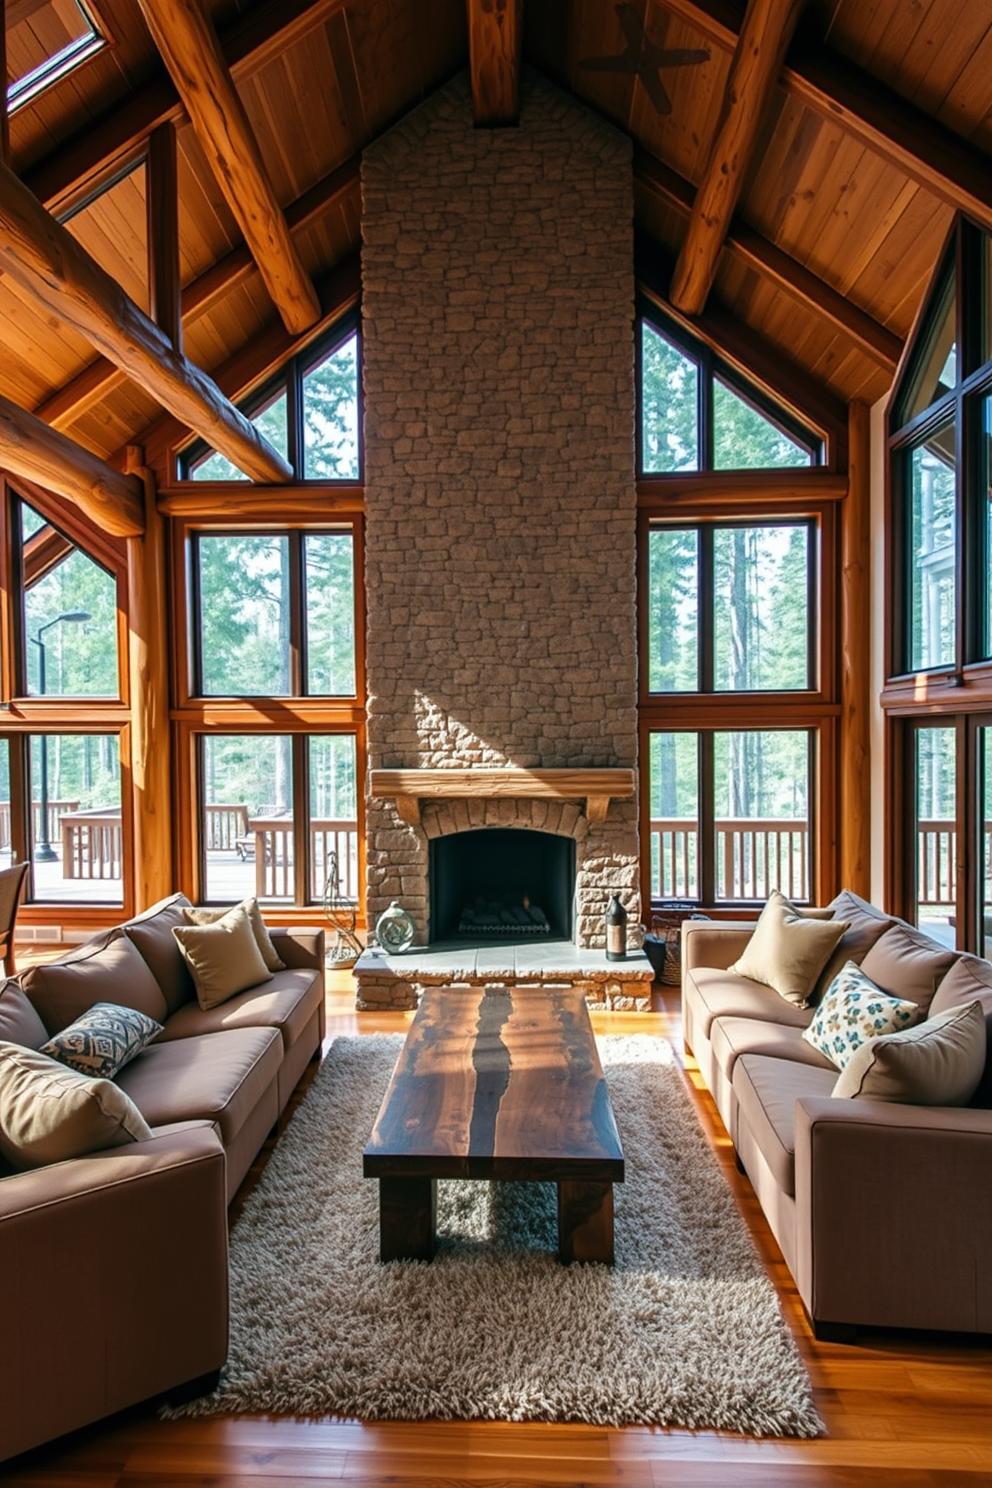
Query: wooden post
(855, 739)
(494, 34)
(4, 119)
(148, 671)
(162, 206)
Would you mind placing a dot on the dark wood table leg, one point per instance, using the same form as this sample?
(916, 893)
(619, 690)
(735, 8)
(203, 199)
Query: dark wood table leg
(407, 1216)
(585, 1222)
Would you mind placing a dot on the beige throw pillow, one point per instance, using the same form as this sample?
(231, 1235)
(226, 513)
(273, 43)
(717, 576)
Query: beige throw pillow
(49, 1113)
(223, 958)
(937, 1063)
(263, 939)
(788, 949)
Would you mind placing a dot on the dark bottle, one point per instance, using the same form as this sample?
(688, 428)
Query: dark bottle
(616, 931)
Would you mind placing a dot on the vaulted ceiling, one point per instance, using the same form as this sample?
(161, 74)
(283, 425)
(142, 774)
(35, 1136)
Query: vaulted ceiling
(876, 126)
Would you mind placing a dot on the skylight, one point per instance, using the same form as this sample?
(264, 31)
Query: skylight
(46, 39)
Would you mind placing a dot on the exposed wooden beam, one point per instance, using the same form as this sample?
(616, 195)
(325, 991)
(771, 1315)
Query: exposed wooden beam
(494, 35)
(756, 358)
(749, 247)
(30, 449)
(42, 257)
(162, 202)
(190, 49)
(758, 56)
(951, 167)
(65, 177)
(250, 366)
(87, 388)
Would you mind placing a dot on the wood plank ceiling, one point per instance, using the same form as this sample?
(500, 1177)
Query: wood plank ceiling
(841, 214)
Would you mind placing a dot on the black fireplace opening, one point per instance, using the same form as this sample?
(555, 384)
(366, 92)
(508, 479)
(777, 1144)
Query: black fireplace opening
(501, 884)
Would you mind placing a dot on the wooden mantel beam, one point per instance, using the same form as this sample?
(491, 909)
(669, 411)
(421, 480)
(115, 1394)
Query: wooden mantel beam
(408, 787)
(30, 449)
(951, 167)
(191, 52)
(44, 260)
(494, 35)
(751, 248)
(758, 57)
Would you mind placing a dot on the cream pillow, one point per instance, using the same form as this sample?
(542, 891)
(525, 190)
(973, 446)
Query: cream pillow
(262, 937)
(937, 1063)
(788, 949)
(49, 1113)
(223, 958)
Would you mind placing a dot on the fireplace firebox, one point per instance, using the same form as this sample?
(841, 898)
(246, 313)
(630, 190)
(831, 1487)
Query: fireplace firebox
(500, 885)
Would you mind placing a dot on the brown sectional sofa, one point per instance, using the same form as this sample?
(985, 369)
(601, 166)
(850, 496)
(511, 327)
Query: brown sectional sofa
(883, 1212)
(113, 1267)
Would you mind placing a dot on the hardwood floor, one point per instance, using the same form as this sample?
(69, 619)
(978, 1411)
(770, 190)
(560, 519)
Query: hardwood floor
(913, 1410)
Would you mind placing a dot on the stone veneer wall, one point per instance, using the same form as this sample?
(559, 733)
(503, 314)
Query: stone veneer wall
(498, 367)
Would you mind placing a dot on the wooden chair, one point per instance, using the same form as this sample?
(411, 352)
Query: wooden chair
(11, 884)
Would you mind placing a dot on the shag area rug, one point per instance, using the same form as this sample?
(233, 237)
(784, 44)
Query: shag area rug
(684, 1331)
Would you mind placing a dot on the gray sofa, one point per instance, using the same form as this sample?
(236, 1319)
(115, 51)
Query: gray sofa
(883, 1212)
(113, 1266)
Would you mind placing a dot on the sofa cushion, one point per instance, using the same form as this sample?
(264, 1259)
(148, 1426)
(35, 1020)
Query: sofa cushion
(908, 964)
(259, 928)
(217, 1077)
(107, 969)
(788, 949)
(49, 1113)
(223, 958)
(767, 1090)
(715, 993)
(937, 1063)
(732, 1037)
(152, 933)
(19, 1020)
(969, 980)
(865, 925)
(288, 1003)
(853, 1011)
(102, 1040)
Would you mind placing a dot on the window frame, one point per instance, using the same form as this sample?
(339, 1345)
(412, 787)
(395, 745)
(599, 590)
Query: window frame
(710, 366)
(61, 64)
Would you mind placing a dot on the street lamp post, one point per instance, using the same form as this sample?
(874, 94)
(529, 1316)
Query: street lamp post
(43, 850)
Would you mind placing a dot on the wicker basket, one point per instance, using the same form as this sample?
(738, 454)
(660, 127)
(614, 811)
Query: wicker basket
(666, 929)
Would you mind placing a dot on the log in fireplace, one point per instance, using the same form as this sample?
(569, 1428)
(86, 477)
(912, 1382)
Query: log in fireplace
(499, 884)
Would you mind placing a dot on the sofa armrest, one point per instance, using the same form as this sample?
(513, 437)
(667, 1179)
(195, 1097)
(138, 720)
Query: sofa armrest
(894, 1214)
(716, 943)
(113, 1281)
(299, 945)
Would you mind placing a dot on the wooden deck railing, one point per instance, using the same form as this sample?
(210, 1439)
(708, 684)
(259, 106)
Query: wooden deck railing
(754, 856)
(223, 825)
(92, 844)
(56, 810)
(274, 836)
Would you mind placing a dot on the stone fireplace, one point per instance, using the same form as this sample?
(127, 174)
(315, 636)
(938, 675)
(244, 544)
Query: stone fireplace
(498, 366)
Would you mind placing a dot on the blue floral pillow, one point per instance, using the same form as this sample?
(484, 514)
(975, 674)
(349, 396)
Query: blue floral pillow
(852, 1011)
(103, 1040)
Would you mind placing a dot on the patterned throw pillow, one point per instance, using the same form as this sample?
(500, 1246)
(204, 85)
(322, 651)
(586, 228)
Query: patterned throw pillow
(854, 1010)
(102, 1040)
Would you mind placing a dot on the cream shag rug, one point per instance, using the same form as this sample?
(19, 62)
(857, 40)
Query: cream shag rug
(685, 1330)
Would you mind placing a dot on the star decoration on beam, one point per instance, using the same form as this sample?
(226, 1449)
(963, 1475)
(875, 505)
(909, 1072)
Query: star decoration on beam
(642, 60)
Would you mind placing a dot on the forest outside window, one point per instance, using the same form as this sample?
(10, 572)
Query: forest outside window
(279, 813)
(696, 415)
(309, 413)
(69, 615)
(273, 614)
(730, 607)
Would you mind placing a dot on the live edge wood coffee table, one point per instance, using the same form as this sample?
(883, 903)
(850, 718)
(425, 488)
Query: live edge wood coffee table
(501, 1084)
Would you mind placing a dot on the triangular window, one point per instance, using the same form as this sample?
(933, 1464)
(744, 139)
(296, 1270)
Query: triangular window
(669, 406)
(934, 369)
(330, 415)
(46, 39)
(744, 439)
(269, 421)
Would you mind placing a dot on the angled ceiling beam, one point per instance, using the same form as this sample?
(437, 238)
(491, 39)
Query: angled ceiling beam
(188, 45)
(494, 36)
(758, 56)
(951, 167)
(45, 261)
(751, 354)
(30, 449)
(748, 247)
(94, 382)
(68, 175)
